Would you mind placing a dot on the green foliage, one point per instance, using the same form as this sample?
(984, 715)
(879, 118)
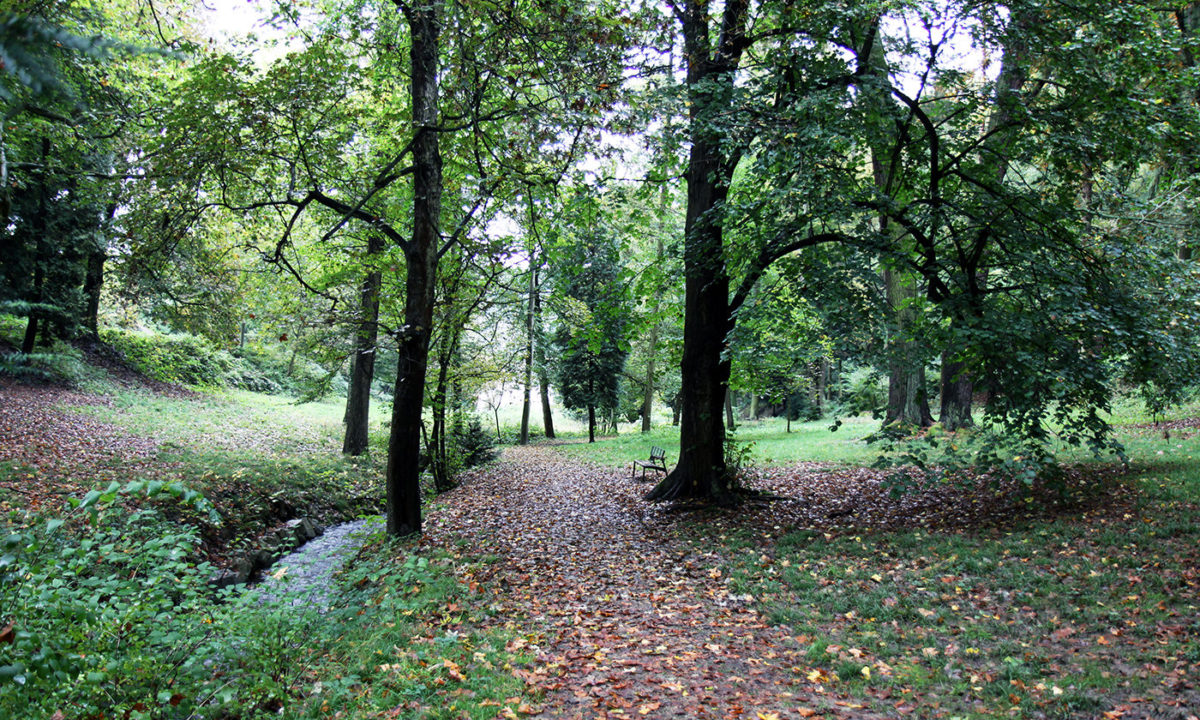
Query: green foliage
(106, 607)
(473, 445)
(193, 360)
(104, 610)
(185, 359)
(593, 305)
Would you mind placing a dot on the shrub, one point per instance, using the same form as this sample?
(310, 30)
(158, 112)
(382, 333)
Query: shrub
(103, 611)
(185, 359)
(473, 445)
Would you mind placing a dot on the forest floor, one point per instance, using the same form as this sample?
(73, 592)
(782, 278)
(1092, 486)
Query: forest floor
(627, 615)
(838, 601)
(834, 599)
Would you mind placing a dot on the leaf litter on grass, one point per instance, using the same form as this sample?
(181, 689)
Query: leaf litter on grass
(631, 610)
(626, 613)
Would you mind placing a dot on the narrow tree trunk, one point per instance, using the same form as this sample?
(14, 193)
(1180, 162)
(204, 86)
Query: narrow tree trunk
(729, 421)
(543, 375)
(648, 390)
(652, 343)
(787, 414)
(39, 222)
(404, 444)
(754, 406)
(526, 401)
(676, 409)
(591, 423)
(362, 368)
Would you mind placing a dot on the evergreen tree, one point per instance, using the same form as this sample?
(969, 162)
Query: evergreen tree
(590, 343)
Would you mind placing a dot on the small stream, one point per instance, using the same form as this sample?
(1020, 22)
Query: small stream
(303, 577)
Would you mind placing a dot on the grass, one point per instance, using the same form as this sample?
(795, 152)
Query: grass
(410, 635)
(1067, 617)
(770, 443)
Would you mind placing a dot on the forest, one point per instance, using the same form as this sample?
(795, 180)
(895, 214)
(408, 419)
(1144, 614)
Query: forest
(905, 289)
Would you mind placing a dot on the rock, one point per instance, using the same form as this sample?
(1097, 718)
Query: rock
(309, 528)
(262, 559)
(225, 579)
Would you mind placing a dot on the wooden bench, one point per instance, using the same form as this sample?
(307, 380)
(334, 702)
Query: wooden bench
(657, 462)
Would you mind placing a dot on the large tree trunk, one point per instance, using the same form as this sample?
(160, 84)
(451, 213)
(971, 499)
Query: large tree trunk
(957, 391)
(908, 403)
(528, 396)
(404, 444)
(362, 369)
(701, 472)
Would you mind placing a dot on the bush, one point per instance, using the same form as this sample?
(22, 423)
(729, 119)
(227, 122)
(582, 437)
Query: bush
(185, 359)
(103, 611)
(473, 444)
(193, 360)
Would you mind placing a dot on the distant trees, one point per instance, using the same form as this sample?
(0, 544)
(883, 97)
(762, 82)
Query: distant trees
(590, 343)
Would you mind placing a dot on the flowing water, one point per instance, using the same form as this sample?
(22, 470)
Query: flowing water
(303, 577)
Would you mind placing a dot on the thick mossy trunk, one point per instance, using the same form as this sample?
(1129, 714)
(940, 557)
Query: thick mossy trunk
(957, 392)
(908, 402)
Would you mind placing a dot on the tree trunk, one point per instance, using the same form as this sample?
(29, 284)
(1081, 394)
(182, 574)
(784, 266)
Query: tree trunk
(957, 390)
(362, 369)
(421, 254)
(907, 400)
(754, 406)
(591, 423)
(439, 461)
(676, 409)
(39, 222)
(701, 472)
(543, 379)
(652, 345)
(93, 282)
(729, 421)
(526, 402)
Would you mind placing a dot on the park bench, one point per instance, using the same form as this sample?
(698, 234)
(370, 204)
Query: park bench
(657, 462)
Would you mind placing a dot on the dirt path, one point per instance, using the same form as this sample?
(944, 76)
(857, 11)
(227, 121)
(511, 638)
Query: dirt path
(625, 616)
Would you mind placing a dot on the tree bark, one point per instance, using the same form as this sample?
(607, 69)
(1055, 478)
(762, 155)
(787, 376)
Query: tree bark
(437, 448)
(908, 403)
(957, 391)
(362, 369)
(701, 472)
(421, 254)
(652, 348)
(543, 378)
(526, 402)
(39, 223)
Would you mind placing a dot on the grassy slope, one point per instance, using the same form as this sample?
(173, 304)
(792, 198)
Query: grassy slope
(408, 640)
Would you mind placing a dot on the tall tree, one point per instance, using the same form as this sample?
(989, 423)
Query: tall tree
(590, 343)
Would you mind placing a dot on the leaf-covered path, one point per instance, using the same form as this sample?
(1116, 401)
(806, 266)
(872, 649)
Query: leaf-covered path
(626, 614)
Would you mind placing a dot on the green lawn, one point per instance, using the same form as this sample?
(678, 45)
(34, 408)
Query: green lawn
(769, 441)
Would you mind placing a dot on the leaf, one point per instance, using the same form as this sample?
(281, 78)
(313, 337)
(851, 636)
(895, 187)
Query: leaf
(649, 708)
